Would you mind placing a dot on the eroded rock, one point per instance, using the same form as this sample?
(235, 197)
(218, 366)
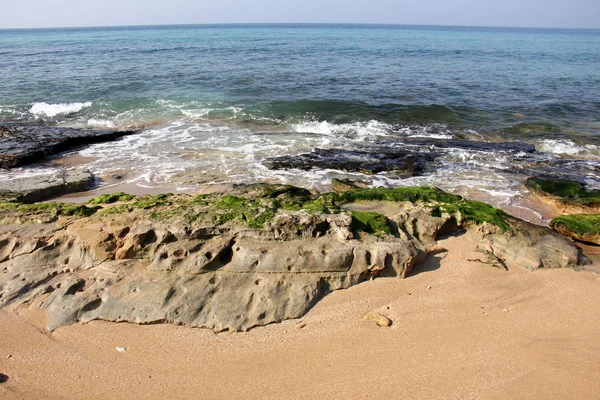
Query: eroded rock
(41, 187)
(186, 271)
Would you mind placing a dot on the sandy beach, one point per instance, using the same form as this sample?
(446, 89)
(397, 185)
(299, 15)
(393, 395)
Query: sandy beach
(461, 330)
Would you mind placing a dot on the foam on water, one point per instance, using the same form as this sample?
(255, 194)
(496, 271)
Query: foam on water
(433, 131)
(567, 147)
(373, 129)
(361, 130)
(52, 110)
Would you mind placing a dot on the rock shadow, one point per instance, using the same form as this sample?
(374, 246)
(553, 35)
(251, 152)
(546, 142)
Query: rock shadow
(431, 263)
(3, 378)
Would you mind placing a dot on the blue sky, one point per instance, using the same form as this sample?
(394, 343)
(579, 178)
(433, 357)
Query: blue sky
(527, 13)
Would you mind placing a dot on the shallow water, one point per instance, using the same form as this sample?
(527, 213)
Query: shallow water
(214, 102)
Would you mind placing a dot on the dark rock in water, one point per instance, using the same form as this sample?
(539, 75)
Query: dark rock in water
(368, 162)
(37, 188)
(471, 145)
(26, 144)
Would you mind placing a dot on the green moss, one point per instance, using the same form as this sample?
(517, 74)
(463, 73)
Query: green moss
(110, 198)
(55, 209)
(582, 224)
(478, 212)
(422, 194)
(257, 207)
(254, 212)
(286, 191)
(147, 201)
(567, 190)
(9, 206)
(370, 222)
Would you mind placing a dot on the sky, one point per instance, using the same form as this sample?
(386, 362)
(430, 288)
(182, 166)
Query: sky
(513, 13)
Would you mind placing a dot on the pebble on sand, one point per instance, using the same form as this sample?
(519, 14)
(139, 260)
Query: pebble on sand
(378, 318)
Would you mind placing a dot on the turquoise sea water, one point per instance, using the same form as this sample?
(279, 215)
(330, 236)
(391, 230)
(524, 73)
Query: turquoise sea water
(214, 101)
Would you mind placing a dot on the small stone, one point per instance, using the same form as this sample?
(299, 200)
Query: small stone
(9, 356)
(301, 325)
(121, 349)
(428, 287)
(505, 309)
(378, 318)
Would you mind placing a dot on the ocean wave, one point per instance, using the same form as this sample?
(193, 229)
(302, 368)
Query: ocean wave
(52, 110)
(567, 147)
(434, 131)
(373, 128)
(362, 130)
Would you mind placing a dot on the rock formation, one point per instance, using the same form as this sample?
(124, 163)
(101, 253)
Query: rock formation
(41, 187)
(228, 262)
(26, 144)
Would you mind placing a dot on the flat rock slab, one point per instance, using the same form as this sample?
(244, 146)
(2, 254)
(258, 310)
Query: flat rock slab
(41, 187)
(25, 144)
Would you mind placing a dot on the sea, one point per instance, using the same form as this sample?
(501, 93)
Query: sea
(213, 103)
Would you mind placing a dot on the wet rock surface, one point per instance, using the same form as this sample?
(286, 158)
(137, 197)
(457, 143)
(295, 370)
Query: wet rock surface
(25, 144)
(137, 267)
(37, 188)
(369, 161)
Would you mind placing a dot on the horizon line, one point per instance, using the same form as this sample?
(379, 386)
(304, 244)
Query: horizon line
(301, 23)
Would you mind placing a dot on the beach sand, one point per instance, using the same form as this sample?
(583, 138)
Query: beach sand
(461, 330)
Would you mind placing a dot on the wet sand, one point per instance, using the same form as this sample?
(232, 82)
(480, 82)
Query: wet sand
(461, 330)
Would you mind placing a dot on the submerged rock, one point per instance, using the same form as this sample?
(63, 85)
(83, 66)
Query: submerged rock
(235, 262)
(25, 144)
(41, 187)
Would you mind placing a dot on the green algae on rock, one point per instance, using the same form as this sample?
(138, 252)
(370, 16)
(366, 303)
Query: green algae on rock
(469, 210)
(581, 227)
(110, 198)
(370, 222)
(567, 191)
(256, 207)
(56, 209)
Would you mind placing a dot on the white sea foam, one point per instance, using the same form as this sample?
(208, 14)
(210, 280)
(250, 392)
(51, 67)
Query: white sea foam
(52, 110)
(362, 130)
(567, 147)
(101, 123)
(435, 131)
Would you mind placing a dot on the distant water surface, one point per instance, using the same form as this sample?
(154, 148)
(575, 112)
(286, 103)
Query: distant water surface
(214, 101)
